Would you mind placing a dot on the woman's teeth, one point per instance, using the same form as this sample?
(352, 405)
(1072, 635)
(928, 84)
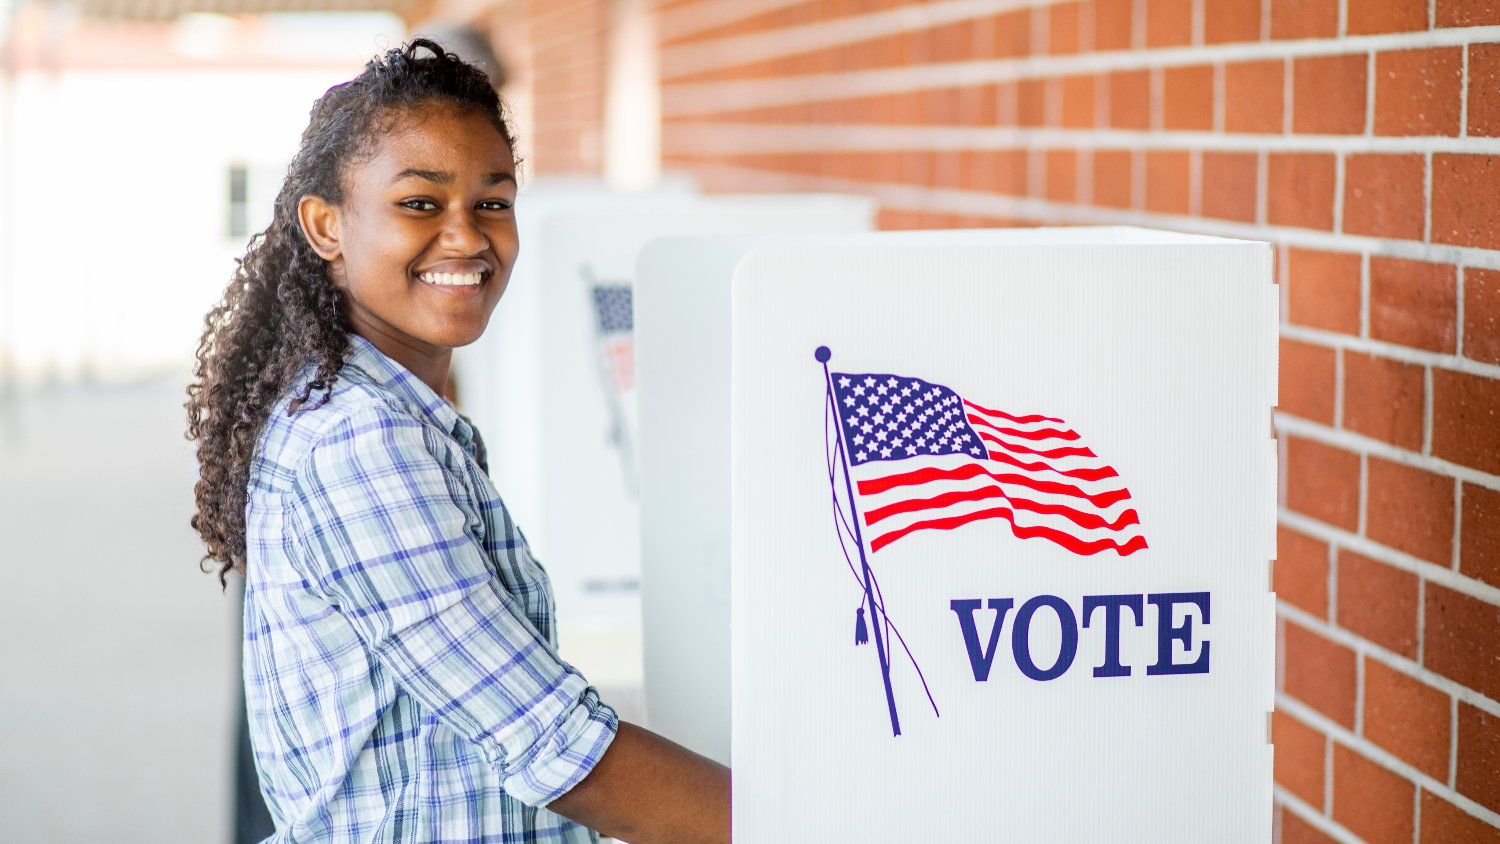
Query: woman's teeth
(455, 279)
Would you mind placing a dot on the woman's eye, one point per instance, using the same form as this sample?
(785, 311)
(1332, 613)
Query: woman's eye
(495, 204)
(418, 204)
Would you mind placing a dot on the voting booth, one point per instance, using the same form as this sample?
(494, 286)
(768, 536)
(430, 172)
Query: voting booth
(999, 511)
(552, 383)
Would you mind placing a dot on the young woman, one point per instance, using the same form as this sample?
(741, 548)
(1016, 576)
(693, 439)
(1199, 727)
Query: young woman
(401, 670)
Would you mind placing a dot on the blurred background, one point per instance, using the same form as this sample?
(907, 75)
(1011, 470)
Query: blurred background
(141, 143)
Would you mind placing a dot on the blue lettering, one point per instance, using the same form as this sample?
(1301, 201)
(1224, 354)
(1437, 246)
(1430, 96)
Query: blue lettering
(1112, 605)
(1166, 633)
(980, 659)
(1021, 637)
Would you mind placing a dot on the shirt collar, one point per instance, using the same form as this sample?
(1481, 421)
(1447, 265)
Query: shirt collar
(399, 380)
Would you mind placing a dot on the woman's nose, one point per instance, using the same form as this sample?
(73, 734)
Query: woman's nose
(461, 233)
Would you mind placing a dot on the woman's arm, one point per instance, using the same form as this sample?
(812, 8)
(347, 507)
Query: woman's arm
(647, 789)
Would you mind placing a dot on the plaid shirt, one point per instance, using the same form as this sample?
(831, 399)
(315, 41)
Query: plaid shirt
(401, 670)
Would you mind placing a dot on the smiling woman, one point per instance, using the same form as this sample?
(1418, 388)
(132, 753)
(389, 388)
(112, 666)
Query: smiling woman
(401, 672)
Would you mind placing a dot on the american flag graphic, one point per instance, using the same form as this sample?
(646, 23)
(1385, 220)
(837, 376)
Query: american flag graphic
(922, 457)
(615, 321)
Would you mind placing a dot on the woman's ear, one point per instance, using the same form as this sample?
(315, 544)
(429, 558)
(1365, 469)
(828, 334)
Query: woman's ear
(320, 225)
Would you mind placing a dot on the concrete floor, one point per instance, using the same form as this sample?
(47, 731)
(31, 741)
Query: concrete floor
(118, 658)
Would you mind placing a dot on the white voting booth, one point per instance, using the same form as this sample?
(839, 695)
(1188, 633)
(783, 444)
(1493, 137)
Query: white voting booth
(551, 385)
(999, 508)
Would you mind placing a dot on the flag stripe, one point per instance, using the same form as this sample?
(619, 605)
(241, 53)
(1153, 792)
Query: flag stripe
(1097, 474)
(937, 502)
(1019, 419)
(1068, 541)
(928, 475)
(1065, 451)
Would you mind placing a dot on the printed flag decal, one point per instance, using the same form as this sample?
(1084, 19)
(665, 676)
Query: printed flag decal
(917, 456)
(612, 303)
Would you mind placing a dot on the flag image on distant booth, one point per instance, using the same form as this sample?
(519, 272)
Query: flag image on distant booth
(614, 341)
(905, 455)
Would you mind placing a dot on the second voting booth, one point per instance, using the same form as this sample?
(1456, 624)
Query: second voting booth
(979, 523)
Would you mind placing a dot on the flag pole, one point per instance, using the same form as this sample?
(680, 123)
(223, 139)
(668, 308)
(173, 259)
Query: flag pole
(823, 354)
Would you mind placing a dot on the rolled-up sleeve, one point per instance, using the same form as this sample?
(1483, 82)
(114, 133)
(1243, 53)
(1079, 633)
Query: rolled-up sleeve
(389, 527)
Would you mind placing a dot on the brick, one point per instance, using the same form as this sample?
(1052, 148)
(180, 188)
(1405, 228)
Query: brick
(1308, 380)
(1304, 18)
(1328, 95)
(1479, 534)
(1383, 398)
(1078, 102)
(1009, 36)
(1461, 640)
(1254, 97)
(1231, 20)
(1407, 717)
(1465, 417)
(1114, 25)
(1299, 190)
(1031, 108)
(1414, 303)
(1062, 175)
(1323, 482)
(1112, 178)
(1372, 802)
(1188, 98)
(1299, 757)
(953, 42)
(1229, 185)
(1300, 576)
(1482, 315)
(1006, 171)
(1384, 195)
(1466, 200)
(1466, 13)
(1484, 90)
(1169, 23)
(1167, 181)
(1410, 509)
(1443, 821)
(1419, 92)
(1478, 756)
(1062, 28)
(1130, 99)
(1378, 602)
(1295, 830)
(1323, 289)
(1368, 17)
(1320, 673)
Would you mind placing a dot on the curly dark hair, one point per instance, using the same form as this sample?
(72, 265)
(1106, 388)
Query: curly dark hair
(281, 310)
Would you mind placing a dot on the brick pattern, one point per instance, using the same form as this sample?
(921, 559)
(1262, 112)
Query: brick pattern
(1360, 136)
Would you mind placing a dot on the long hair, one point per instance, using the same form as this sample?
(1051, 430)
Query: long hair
(281, 311)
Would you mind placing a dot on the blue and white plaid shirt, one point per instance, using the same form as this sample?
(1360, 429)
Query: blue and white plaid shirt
(401, 668)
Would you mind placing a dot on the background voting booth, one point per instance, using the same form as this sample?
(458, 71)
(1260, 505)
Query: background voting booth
(552, 386)
(1000, 508)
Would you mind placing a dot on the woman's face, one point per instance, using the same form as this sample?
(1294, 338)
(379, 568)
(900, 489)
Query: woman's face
(424, 241)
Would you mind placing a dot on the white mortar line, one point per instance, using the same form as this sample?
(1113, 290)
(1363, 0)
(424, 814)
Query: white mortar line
(728, 52)
(1338, 193)
(1338, 388)
(1427, 196)
(685, 20)
(728, 137)
(1427, 410)
(1195, 183)
(1453, 742)
(1313, 817)
(1458, 521)
(1405, 354)
(1421, 620)
(1333, 579)
(1359, 696)
(968, 202)
(1463, 93)
(1459, 314)
(1364, 295)
(1441, 575)
(1364, 493)
(1385, 758)
(1416, 816)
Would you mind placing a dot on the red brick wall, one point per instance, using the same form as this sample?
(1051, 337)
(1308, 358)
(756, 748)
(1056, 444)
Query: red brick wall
(1358, 135)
